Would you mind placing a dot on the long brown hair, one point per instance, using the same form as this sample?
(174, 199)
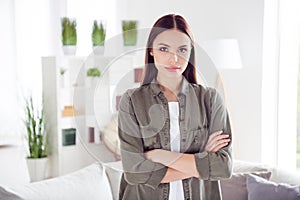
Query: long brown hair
(170, 21)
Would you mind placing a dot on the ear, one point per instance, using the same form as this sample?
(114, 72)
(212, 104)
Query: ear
(151, 52)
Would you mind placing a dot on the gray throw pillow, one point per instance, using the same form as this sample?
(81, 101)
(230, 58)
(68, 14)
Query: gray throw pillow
(235, 188)
(5, 195)
(261, 189)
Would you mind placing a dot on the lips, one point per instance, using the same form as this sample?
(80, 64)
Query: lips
(172, 68)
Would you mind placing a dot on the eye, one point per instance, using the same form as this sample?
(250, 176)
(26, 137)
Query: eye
(183, 50)
(163, 49)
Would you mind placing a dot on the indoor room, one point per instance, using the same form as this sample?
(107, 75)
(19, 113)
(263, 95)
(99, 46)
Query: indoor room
(74, 80)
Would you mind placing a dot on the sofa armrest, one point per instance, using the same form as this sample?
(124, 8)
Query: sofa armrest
(291, 177)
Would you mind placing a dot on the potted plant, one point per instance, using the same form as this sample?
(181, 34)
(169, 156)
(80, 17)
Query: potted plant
(98, 37)
(37, 140)
(69, 35)
(93, 75)
(62, 72)
(129, 29)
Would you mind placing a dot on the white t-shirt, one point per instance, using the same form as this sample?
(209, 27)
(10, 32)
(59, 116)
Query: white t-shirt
(176, 188)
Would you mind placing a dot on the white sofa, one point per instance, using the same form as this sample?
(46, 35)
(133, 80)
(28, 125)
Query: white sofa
(101, 181)
(94, 182)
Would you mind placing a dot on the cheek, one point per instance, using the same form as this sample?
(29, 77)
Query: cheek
(184, 59)
(183, 62)
(160, 59)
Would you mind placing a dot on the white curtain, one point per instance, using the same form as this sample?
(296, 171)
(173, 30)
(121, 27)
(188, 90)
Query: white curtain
(9, 106)
(29, 30)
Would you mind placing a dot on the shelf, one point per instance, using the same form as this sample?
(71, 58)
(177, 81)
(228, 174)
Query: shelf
(71, 122)
(94, 105)
(73, 88)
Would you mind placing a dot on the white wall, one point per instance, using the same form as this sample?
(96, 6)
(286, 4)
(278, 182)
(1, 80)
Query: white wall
(215, 19)
(212, 19)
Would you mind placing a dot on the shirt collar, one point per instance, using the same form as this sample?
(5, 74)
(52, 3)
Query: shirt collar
(183, 89)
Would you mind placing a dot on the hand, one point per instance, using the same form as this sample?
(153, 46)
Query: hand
(162, 156)
(154, 155)
(217, 141)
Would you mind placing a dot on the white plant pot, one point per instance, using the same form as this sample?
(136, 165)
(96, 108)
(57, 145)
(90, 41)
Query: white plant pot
(62, 81)
(69, 49)
(98, 50)
(91, 81)
(37, 168)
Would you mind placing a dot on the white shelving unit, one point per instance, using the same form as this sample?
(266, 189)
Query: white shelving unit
(96, 105)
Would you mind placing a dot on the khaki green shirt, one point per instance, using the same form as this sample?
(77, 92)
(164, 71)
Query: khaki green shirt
(144, 124)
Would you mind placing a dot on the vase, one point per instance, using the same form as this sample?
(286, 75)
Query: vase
(69, 49)
(37, 168)
(129, 29)
(61, 81)
(98, 50)
(91, 82)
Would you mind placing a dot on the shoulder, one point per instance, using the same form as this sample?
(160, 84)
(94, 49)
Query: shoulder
(136, 93)
(204, 91)
(207, 94)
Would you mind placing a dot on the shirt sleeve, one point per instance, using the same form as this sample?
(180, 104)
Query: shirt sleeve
(218, 165)
(137, 169)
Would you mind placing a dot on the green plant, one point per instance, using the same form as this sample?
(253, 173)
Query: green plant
(62, 71)
(98, 34)
(129, 28)
(93, 72)
(35, 127)
(69, 35)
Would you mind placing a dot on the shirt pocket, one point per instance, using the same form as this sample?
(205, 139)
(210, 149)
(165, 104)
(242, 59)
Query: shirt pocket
(198, 139)
(151, 139)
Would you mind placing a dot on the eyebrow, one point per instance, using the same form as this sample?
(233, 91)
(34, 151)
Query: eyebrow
(169, 45)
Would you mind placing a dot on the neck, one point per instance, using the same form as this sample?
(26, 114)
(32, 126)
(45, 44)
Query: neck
(170, 84)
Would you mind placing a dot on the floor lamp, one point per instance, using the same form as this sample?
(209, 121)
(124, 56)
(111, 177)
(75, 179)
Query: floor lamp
(224, 53)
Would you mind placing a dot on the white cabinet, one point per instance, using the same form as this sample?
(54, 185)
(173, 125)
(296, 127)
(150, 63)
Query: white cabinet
(75, 108)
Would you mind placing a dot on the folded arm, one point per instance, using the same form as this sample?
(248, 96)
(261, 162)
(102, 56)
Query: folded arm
(185, 163)
(174, 175)
(215, 162)
(137, 169)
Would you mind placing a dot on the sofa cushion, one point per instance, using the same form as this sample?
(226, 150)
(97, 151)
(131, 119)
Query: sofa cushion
(285, 176)
(261, 189)
(246, 166)
(88, 183)
(235, 188)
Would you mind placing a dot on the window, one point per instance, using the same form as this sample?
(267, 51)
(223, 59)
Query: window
(280, 136)
(298, 115)
(287, 84)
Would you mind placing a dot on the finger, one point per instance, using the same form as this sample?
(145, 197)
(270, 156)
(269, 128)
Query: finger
(213, 135)
(212, 145)
(220, 146)
(219, 137)
(216, 139)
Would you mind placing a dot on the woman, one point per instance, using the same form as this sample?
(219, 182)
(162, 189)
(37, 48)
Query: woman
(175, 134)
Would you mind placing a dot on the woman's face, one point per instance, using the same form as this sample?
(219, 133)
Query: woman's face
(171, 52)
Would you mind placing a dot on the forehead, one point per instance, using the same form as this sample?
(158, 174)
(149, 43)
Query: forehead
(172, 37)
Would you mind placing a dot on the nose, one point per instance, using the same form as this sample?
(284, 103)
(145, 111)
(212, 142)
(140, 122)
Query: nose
(174, 57)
